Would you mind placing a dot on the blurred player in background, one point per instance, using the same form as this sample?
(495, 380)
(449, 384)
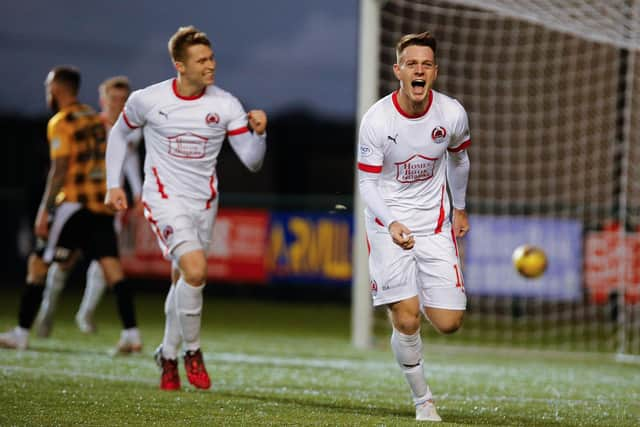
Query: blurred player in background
(113, 93)
(72, 217)
(185, 121)
(412, 149)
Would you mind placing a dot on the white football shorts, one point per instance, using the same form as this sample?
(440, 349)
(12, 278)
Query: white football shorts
(430, 269)
(180, 221)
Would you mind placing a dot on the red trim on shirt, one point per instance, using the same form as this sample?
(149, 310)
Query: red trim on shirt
(369, 168)
(174, 85)
(396, 103)
(238, 131)
(441, 217)
(212, 181)
(159, 183)
(379, 222)
(460, 147)
(126, 120)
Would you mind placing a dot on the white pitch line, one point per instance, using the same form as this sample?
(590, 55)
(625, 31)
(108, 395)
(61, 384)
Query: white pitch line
(299, 361)
(340, 364)
(76, 374)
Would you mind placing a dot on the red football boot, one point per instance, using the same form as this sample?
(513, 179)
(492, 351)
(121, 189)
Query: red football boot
(196, 372)
(170, 379)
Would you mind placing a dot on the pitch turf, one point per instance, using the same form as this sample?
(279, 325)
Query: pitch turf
(292, 364)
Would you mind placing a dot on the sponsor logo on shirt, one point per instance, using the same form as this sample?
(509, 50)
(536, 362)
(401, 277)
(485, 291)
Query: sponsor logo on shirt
(415, 168)
(438, 134)
(374, 287)
(365, 151)
(393, 138)
(187, 145)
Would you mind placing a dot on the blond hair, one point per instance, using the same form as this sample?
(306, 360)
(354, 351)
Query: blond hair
(117, 82)
(183, 39)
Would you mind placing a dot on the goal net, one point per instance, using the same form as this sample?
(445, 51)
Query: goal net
(551, 88)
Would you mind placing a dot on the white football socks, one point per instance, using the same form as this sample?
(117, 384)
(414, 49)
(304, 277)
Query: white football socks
(132, 335)
(56, 279)
(408, 352)
(189, 309)
(93, 291)
(172, 334)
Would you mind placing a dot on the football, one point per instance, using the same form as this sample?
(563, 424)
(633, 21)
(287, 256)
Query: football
(530, 261)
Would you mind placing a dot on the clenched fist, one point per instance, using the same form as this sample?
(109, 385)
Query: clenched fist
(116, 199)
(257, 121)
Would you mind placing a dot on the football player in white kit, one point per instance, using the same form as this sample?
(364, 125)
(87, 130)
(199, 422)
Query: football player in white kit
(412, 149)
(184, 121)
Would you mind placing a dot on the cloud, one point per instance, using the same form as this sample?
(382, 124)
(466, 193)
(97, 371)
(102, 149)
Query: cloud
(271, 54)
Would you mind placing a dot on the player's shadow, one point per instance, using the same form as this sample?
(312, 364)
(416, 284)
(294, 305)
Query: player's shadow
(450, 415)
(350, 408)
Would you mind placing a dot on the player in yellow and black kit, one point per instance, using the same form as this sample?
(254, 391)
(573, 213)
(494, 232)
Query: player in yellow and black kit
(72, 216)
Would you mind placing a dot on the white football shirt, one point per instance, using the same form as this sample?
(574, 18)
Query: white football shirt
(409, 153)
(183, 137)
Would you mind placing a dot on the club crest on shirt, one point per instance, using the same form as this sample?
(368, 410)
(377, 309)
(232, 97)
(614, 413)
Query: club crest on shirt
(438, 134)
(212, 119)
(415, 168)
(167, 232)
(187, 145)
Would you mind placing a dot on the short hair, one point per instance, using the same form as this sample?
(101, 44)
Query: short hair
(416, 39)
(67, 75)
(117, 82)
(183, 39)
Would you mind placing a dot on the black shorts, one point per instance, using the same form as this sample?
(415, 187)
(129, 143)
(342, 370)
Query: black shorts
(87, 231)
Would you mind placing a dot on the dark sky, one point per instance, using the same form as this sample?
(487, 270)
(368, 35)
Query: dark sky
(272, 54)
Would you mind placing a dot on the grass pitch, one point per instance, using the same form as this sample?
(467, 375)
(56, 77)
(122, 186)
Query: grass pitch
(284, 364)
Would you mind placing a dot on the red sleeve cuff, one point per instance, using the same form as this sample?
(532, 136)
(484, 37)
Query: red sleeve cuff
(238, 131)
(369, 168)
(460, 147)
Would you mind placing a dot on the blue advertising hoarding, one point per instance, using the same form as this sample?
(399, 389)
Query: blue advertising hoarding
(488, 269)
(310, 248)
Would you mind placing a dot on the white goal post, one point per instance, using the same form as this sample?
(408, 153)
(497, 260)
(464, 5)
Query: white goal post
(368, 64)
